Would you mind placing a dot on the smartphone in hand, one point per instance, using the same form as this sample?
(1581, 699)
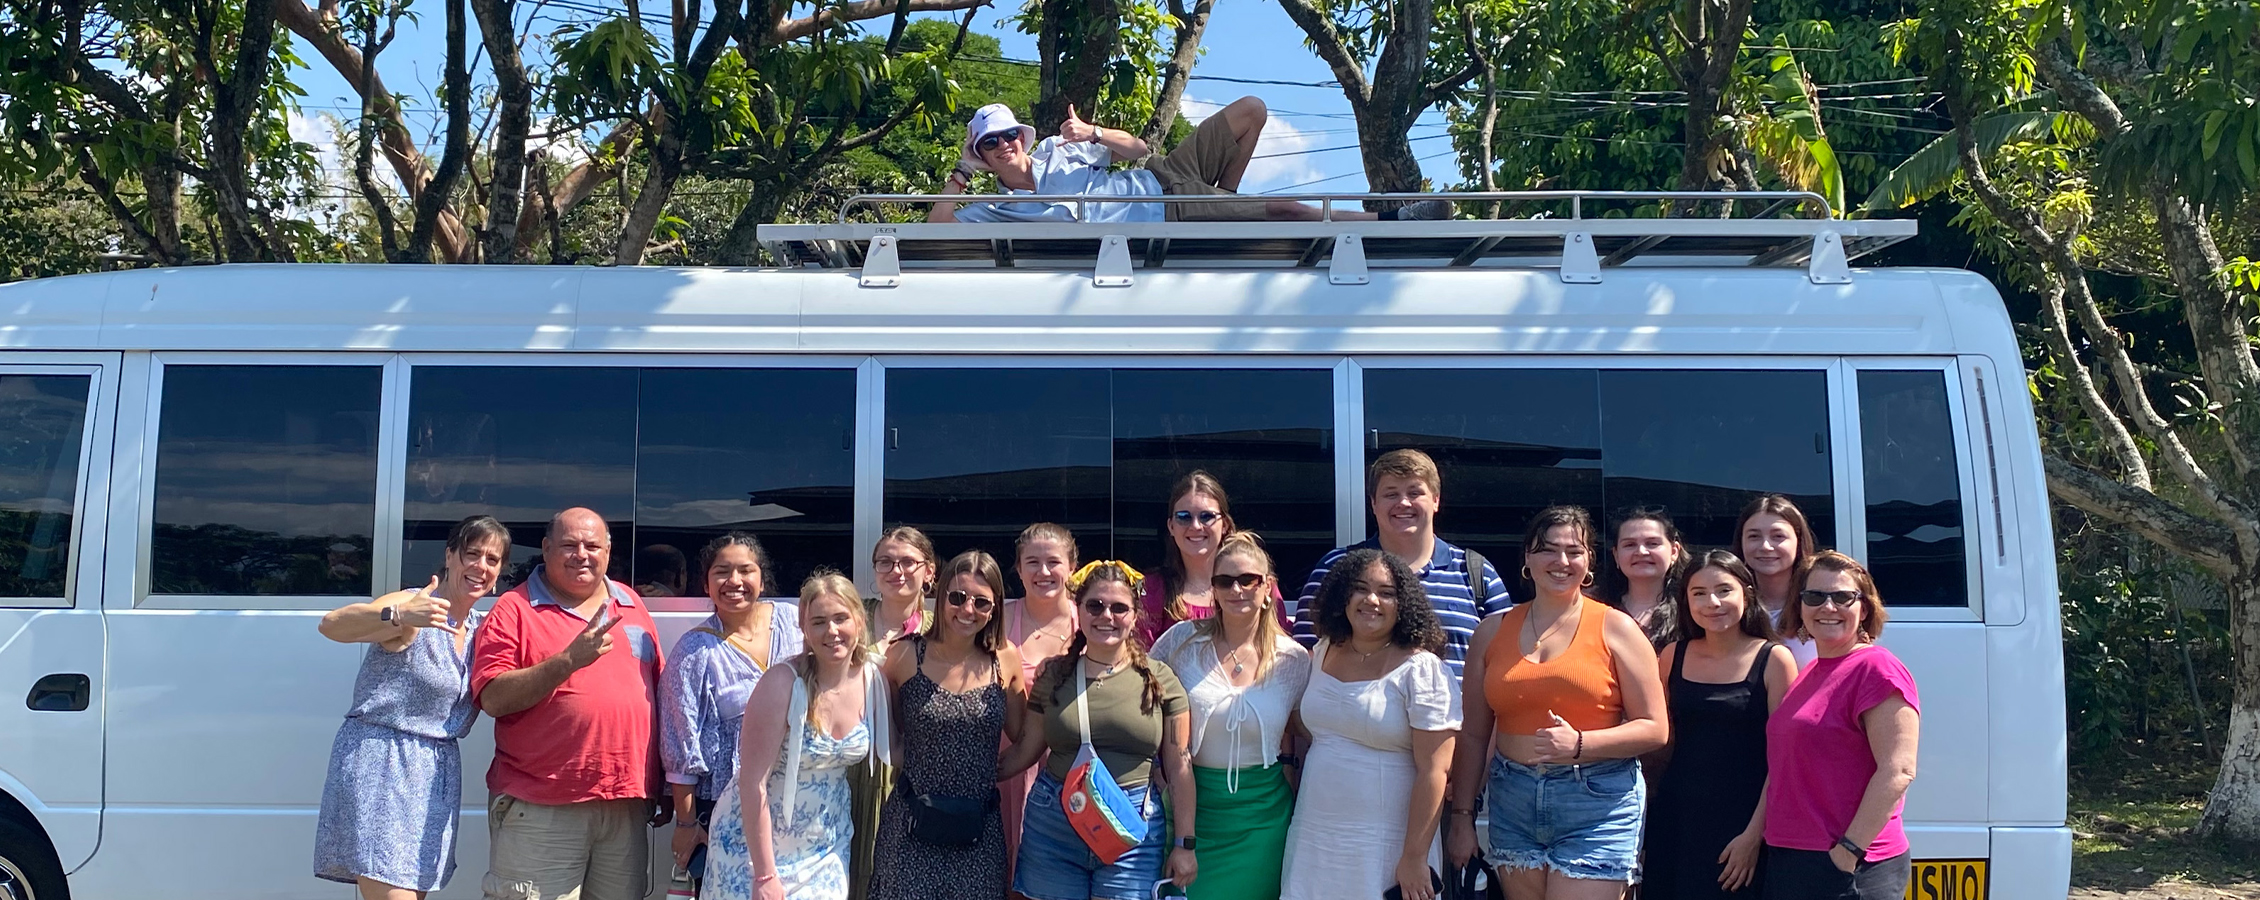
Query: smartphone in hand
(1435, 881)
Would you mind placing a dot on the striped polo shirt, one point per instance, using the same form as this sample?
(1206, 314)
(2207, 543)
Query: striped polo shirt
(1445, 581)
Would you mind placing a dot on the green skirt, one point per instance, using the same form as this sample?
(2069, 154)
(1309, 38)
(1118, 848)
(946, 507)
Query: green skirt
(1243, 835)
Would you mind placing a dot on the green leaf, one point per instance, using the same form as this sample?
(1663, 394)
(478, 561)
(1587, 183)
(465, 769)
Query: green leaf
(1937, 164)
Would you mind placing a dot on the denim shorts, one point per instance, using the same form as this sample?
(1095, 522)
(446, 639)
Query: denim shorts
(1580, 820)
(1055, 864)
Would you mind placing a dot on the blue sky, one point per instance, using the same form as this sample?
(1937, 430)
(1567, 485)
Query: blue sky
(1310, 138)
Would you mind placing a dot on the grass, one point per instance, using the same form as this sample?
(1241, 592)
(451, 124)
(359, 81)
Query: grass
(2134, 826)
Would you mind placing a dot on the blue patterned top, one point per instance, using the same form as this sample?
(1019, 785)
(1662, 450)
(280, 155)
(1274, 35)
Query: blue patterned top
(424, 690)
(702, 699)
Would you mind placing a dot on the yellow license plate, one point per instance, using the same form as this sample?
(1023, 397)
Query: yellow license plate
(1947, 879)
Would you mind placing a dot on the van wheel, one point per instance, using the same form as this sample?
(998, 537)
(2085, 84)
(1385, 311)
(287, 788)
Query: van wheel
(28, 868)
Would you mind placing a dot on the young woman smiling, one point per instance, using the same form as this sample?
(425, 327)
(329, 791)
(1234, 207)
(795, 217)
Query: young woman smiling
(1570, 690)
(1040, 624)
(957, 694)
(1774, 539)
(1200, 518)
(902, 571)
(1706, 823)
(1648, 555)
(1244, 676)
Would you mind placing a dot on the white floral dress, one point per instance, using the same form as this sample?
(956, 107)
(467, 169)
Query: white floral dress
(812, 852)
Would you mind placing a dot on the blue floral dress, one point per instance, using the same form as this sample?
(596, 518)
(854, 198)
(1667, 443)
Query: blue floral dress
(812, 853)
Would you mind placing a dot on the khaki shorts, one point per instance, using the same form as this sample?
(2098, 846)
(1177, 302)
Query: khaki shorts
(595, 850)
(1195, 167)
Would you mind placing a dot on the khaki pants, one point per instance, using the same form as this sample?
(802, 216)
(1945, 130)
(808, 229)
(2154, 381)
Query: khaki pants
(1194, 168)
(596, 850)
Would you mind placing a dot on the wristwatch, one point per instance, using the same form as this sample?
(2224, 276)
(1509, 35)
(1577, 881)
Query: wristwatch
(1859, 854)
(1185, 842)
(385, 615)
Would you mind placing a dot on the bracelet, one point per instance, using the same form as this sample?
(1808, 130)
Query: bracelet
(1464, 812)
(1289, 759)
(1859, 854)
(1580, 754)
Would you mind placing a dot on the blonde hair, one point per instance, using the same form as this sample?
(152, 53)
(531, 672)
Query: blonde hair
(824, 583)
(1406, 463)
(1268, 632)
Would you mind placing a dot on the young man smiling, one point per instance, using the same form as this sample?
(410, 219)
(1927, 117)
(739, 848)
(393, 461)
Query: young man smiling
(1405, 490)
(1077, 160)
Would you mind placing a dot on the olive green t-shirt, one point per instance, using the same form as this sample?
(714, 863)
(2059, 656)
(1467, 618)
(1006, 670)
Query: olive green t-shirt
(1126, 737)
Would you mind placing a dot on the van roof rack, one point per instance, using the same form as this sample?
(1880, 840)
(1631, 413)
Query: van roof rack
(1566, 234)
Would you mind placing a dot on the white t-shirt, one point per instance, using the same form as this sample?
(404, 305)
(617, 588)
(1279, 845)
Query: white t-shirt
(1233, 727)
(1080, 167)
(1801, 649)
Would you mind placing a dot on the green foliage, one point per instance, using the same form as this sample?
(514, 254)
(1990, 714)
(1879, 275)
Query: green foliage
(1936, 166)
(2131, 615)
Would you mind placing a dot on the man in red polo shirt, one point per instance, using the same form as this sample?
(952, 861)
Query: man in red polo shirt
(568, 665)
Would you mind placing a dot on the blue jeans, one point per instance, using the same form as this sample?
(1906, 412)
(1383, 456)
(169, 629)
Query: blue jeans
(1583, 821)
(1055, 864)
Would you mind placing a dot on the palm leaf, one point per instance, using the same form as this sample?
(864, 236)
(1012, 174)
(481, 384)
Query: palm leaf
(1935, 166)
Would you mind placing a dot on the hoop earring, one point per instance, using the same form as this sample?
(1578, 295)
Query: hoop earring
(1588, 579)
(1526, 574)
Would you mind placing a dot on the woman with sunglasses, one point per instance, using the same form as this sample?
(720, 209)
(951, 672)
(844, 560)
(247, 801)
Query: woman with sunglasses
(956, 687)
(1105, 690)
(1200, 518)
(1705, 824)
(1243, 675)
(1039, 624)
(1840, 750)
(1381, 712)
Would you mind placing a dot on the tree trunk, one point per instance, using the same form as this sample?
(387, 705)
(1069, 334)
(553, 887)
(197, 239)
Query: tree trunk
(1190, 26)
(741, 247)
(1087, 31)
(431, 202)
(651, 198)
(514, 100)
(2233, 810)
(235, 99)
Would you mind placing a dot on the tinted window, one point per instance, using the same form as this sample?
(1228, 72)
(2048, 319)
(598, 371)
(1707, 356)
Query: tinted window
(42, 423)
(1699, 443)
(670, 458)
(978, 454)
(1914, 489)
(266, 480)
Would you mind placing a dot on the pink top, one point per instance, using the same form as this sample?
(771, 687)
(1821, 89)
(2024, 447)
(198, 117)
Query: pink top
(1817, 753)
(1153, 614)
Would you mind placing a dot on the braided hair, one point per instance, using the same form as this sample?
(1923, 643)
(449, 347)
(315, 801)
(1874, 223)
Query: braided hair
(1059, 668)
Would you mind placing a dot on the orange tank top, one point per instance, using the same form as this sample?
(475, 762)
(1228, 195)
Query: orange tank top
(1580, 685)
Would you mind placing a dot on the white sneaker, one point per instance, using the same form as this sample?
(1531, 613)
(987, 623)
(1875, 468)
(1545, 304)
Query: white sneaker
(1426, 210)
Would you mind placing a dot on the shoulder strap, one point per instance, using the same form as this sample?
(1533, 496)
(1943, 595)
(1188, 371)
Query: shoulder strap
(796, 732)
(1475, 586)
(1757, 673)
(1679, 658)
(1082, 709)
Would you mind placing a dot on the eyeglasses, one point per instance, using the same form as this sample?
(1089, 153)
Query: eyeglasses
(896, 565)
(961, 598)
(1101, 608)
(1243, 581)
(1842, 599)
(990, 142)
(1204, 518)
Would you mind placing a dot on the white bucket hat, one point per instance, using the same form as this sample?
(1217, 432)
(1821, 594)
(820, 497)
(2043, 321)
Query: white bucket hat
(991, 119)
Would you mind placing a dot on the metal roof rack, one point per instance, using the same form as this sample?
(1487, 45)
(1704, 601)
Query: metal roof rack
(1579, 245)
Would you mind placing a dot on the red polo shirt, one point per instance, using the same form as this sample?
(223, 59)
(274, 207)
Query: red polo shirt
(594, 737)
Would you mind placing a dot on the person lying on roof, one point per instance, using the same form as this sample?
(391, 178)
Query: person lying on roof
(1076, 161)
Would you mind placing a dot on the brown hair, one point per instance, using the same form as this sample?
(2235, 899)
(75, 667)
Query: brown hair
(1779, 505)
(1547, 519)
(1198, 481)
(1047, 531)
(1250, 545)
(1058, 668)
(981, 565)
(1756, 622)
(1406, 463)
(1417, 626)
(476, 530)
(829, 583)
(1872, 614)
(1664, 625)
(918, 541)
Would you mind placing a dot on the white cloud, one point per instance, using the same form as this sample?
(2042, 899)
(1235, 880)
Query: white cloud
(1269, 171)
(320, 131)
(563, 149)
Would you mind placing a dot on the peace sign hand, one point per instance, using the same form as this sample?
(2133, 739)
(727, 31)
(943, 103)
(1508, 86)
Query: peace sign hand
(422, 610)
(1556, 742)
(1075, 129)
(593, 642)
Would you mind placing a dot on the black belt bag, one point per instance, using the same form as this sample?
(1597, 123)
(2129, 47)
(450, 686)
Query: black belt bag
(945, 821)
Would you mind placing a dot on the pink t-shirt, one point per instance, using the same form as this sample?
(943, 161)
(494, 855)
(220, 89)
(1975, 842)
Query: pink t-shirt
(1817, 754)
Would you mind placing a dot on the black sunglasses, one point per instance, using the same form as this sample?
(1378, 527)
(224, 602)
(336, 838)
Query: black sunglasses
(1204, 518)
(961, 598)
(990, 142)
(1243, 581)
(1842, 599)
(1102, 608)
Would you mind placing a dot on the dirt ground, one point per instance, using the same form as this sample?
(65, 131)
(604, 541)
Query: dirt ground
(2171, 890)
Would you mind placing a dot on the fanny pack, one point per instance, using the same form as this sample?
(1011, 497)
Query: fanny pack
(1097, 808)
(945, 821)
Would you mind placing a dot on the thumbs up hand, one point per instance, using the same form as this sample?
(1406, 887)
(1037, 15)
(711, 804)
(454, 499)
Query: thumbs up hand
(1075, 129)
(422, 610)
(1557, 743)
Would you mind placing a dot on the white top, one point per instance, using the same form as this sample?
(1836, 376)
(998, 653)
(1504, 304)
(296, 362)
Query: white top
(1421, 694)
(1801, 649)
(1234, 727)
(1078, 167)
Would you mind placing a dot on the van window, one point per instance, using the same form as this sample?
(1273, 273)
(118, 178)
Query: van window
(1697, 442)
(1914, 489)
(42, 424)
(975, 455)
(266, 480)
(670, 457)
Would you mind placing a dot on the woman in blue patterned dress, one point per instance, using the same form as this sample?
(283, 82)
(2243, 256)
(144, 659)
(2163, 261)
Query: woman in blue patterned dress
(710, 674)
(396, 775)
(784, 828)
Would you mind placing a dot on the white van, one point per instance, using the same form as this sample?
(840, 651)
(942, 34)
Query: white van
(196, 463)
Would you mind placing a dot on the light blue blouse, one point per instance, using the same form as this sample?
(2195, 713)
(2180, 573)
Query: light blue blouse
(703, 695)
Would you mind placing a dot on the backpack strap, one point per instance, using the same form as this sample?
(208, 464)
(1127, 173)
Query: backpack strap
(1475, 588)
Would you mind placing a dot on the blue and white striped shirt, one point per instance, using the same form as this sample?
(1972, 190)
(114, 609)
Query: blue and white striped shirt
(1445, 581)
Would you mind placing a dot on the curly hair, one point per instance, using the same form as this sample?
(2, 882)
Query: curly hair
(1416, 626)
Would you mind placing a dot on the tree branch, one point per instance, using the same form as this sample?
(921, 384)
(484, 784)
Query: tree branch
(2196, 538)
(858, 10)
(1190, 26)
(108, 191)
(1327, 42)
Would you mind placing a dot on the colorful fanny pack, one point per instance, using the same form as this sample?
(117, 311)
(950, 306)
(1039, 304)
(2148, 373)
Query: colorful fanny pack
(1099, 810)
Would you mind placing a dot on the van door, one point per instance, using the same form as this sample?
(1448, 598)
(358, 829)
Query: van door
(54, 477)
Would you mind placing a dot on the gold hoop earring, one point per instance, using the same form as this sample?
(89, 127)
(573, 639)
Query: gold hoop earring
(1588, 579)
(1526, 574)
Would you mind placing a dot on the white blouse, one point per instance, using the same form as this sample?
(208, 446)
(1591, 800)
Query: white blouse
(1234, 727)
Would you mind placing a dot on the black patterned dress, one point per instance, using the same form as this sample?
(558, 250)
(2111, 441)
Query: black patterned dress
(949, 748)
